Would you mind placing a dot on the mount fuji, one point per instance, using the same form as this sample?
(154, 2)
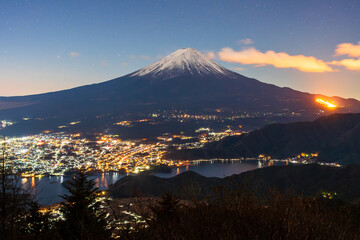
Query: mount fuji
(185, 79)
(185, 61)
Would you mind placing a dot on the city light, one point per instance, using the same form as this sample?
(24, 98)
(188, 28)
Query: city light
(325, 103)
(59, 153)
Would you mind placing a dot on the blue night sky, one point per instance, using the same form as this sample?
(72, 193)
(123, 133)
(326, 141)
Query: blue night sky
(53, 45)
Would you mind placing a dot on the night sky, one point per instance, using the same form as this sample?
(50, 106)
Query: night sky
(311, 46)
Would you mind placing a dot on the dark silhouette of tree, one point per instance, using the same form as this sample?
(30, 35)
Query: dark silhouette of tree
(37, 225)
(14, 200)
(168, 208)
(83, 216)
(241, 215)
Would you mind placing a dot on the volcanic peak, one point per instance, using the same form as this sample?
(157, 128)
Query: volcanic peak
(183, 61)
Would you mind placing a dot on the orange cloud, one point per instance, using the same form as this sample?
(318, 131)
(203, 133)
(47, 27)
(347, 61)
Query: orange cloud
(211, 55)
(278, 60)
(351, 64)
(238, 68)
(348, 49)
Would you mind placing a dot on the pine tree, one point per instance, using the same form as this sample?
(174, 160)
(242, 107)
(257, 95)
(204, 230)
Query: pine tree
(168, 207)
(14, 200)
(37, 225)
(83, 216)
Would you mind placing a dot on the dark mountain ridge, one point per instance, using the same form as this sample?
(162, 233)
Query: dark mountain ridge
(310, 180)
(336, 138)
(186, 79)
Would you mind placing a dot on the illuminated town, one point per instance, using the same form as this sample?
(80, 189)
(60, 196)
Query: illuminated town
(60, 153)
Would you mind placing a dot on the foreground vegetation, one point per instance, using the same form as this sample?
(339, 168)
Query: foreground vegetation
(235, 214)
(226, 214)
(240, 215)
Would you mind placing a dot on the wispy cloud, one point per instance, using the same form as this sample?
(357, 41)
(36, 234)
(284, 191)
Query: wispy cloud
(211, 55)
(246, 41)
(351, 64)
(74, 54)
(351, 50)
(278, 60)
(348, 49)
(238, 68)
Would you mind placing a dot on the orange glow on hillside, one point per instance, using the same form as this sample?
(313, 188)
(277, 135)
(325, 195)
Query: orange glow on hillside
(325, 103)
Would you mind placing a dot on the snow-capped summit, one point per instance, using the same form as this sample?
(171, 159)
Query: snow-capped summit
(183, 61)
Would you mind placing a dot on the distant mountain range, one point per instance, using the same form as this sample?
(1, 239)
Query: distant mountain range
(336, 138)
(186, 79)
(310, 180)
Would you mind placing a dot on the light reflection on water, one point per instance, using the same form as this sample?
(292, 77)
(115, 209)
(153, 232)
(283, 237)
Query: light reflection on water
(49, 189)
(102, 180)
(33, 182)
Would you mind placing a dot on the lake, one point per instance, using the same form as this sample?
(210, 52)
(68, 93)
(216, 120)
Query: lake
(47, 190)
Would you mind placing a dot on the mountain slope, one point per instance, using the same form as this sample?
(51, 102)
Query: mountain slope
(336, 138)
(310, 180)
(186, 61)
(186, 79)
(188, 183)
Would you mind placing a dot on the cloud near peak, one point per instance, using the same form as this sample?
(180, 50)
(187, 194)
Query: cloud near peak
(348, 49)
(351, 64)
(211, 55)
(278, 60)
(351, 50)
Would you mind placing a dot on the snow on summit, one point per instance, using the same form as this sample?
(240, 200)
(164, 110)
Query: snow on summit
(182, 61)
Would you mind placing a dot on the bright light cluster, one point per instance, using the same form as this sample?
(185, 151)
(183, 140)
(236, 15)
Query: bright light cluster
(325, 103)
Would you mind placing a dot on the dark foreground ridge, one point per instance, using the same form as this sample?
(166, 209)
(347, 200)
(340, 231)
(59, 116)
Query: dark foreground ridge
(336, 138)
(310, 180)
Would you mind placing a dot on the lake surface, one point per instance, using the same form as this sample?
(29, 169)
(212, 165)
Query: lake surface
(47, 190)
